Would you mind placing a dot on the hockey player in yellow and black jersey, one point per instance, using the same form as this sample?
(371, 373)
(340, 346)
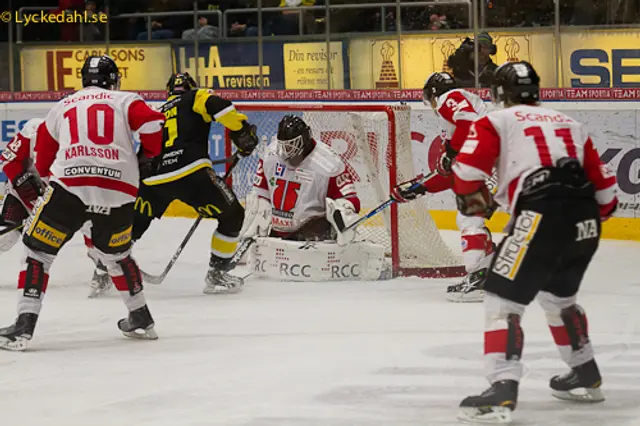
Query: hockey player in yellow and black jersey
(184, 172)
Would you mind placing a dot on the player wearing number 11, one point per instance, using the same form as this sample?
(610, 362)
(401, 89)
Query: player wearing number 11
(558, 192)
(85, 146)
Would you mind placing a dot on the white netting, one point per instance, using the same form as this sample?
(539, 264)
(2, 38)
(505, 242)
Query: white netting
(364, 136)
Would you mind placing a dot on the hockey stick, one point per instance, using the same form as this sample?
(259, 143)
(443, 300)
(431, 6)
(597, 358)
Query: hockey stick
(157, 279)
(384, 205)
(14, 227)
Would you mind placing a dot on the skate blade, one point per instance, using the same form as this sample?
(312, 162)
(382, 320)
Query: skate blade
(485, 415)
(474, 297)
(18, 345)
(221, 289)
(142, 334)
(584, 395)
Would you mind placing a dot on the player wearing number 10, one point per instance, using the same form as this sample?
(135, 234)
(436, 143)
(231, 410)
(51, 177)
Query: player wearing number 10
(86, 147)
(558, 192)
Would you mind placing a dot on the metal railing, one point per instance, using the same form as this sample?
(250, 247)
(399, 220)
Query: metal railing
(301, 11)
(476, 9)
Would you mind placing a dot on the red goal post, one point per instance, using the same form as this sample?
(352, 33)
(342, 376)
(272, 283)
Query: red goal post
(375, 142)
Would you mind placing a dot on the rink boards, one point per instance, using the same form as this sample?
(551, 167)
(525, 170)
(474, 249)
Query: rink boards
(614, 127)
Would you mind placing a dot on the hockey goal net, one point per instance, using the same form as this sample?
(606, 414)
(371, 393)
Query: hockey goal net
(375, 142)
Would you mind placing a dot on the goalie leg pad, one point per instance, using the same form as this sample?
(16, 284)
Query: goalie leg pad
(316, 261)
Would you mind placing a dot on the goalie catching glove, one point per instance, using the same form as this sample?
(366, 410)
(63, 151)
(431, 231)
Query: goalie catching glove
(29, 186)
(245, 139)
(341, 213)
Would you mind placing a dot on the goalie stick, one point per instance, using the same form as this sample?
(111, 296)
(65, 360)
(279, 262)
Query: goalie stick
(157, 279)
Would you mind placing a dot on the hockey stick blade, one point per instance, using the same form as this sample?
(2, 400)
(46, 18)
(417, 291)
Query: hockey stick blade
(158, 279)
(11, 228)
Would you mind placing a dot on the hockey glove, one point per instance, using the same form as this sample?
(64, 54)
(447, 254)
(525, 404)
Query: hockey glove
(29, 187)
(445, 161)
(478, 203)
(607, 211)
(147, 166)
(257, 220)
(245, 139)
(409, 191)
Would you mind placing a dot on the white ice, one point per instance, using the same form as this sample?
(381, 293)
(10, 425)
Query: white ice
(295, 354)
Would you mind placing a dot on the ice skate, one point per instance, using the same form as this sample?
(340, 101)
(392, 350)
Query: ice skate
(581, 384)
(139, 325)
(493, 406)
(16, 336)
(101, 282)
(470, 289)
(218, 280)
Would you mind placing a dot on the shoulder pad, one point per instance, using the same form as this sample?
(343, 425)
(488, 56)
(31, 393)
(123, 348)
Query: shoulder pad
(326, 160)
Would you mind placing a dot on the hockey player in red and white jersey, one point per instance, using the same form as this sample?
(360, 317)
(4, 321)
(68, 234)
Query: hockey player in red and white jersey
(304, 192)
(558, 192)
(85, 146)
(458, 109)
(17, 162)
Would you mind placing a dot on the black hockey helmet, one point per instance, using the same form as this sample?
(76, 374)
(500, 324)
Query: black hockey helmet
(100, 71)
(516, 83)
(180, 83)
(294, 137)
(437, 84)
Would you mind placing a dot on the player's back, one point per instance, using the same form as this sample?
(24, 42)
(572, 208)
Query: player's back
(187, 127)
(95, 159)
(533, 137)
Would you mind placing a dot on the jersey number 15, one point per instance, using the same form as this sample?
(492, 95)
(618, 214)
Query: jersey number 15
(285, 195)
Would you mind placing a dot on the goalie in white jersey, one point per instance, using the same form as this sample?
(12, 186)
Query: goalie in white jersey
(458, 109)
(303, 192)
(85, 146)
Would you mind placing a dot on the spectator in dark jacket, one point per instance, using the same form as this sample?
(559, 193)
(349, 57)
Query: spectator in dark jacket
(462, 62)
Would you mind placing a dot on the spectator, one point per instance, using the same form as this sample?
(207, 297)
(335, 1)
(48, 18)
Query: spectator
(158, 32)
(91, 32)
(204, 31)
(288, 23)
(438, 22)
(462, 61)
(69, 32)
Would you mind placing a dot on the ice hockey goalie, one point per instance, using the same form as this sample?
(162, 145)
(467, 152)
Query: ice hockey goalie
(302, 201)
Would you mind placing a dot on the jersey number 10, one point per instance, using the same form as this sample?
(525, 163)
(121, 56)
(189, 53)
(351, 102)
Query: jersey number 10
(102, 135)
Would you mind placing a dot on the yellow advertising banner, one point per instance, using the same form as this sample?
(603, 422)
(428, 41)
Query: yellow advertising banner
(53, 68)
(375, 62)
(305, 65)
(601, 58)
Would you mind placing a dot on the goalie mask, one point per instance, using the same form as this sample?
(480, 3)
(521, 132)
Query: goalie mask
(294, 138)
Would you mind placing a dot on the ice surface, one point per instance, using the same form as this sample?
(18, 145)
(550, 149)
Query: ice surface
(295, 354)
